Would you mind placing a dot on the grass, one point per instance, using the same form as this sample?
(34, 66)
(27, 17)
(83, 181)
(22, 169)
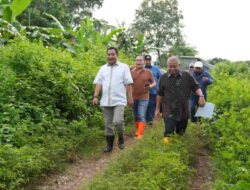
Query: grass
(151, 164)
(87, 150)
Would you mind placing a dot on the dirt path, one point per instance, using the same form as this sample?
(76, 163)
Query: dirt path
(82, 171)
(203, 178)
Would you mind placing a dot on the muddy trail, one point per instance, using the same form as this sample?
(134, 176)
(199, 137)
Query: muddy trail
(203, 177)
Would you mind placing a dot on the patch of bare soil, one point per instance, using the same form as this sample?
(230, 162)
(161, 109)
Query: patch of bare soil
(203, 179)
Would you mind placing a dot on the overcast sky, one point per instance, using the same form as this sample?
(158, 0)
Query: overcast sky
(217, 28)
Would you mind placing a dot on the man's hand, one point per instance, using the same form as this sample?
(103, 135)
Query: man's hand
(95, 101)
(201, 101)
(204, 79)
(130, 101)
(157, 115)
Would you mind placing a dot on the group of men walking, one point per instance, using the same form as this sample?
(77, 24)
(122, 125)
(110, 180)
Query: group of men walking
(149, 93)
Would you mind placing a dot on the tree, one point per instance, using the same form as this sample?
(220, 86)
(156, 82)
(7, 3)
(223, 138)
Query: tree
(216, 60)
(180, 48)
(67, 12)
(130, 44)
(159, 21)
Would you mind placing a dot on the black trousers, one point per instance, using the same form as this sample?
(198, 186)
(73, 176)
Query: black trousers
(172, 125)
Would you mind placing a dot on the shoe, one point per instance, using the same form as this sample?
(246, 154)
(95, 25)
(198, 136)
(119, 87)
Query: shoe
(121, 144)
(150, 124)
(141, 128)
(110, 142)
(165, 140)
(136, 126)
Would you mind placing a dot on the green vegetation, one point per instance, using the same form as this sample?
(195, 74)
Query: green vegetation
(46, 110)
(229, 131)
(9, 10)
(47, 66)
(151, 164)
(46, 92)
(68, 12)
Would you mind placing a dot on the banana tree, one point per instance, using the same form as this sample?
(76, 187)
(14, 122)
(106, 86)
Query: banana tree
(86, 36)
(9, 10)
(132, 44)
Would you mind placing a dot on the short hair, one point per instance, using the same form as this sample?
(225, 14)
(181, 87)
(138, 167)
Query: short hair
(140, 56)
(147, 57)
(113, 48)
(175, 58)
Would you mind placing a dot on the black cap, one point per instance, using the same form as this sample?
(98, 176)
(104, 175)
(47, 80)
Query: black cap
(147, 57)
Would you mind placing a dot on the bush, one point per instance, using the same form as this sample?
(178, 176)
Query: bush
(46, 111)
(229, 131)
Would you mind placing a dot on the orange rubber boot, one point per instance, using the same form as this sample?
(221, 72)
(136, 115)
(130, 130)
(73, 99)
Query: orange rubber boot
(141, 128)
(136, 126)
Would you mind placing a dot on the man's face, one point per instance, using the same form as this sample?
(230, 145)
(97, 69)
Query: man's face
(112, 56)
(148, 62)
(191, 69)
(173, 67)
(139, 62)
(197, 69)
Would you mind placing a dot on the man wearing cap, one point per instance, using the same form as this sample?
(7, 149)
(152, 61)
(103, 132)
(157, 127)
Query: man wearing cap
(153, 91)
(174, 91)
(191, 68)
(204, 79)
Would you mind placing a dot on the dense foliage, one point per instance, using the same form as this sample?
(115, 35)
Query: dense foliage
(68, 12)
(230, 129)
(45, 108)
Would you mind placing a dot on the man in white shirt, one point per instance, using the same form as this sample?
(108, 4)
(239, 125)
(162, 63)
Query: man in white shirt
(114, 80)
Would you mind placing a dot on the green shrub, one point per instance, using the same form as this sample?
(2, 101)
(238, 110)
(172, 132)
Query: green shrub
(45, 110)
(229, 131)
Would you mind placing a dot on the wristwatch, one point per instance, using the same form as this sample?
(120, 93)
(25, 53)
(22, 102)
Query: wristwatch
(201, 95)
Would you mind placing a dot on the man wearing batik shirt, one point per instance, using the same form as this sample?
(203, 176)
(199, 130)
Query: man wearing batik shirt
(174, 92)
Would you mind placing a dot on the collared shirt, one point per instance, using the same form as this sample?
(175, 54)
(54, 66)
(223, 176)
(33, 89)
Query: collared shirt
(142, 79)
(156, 73)
(113, 79)
(175, 92)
